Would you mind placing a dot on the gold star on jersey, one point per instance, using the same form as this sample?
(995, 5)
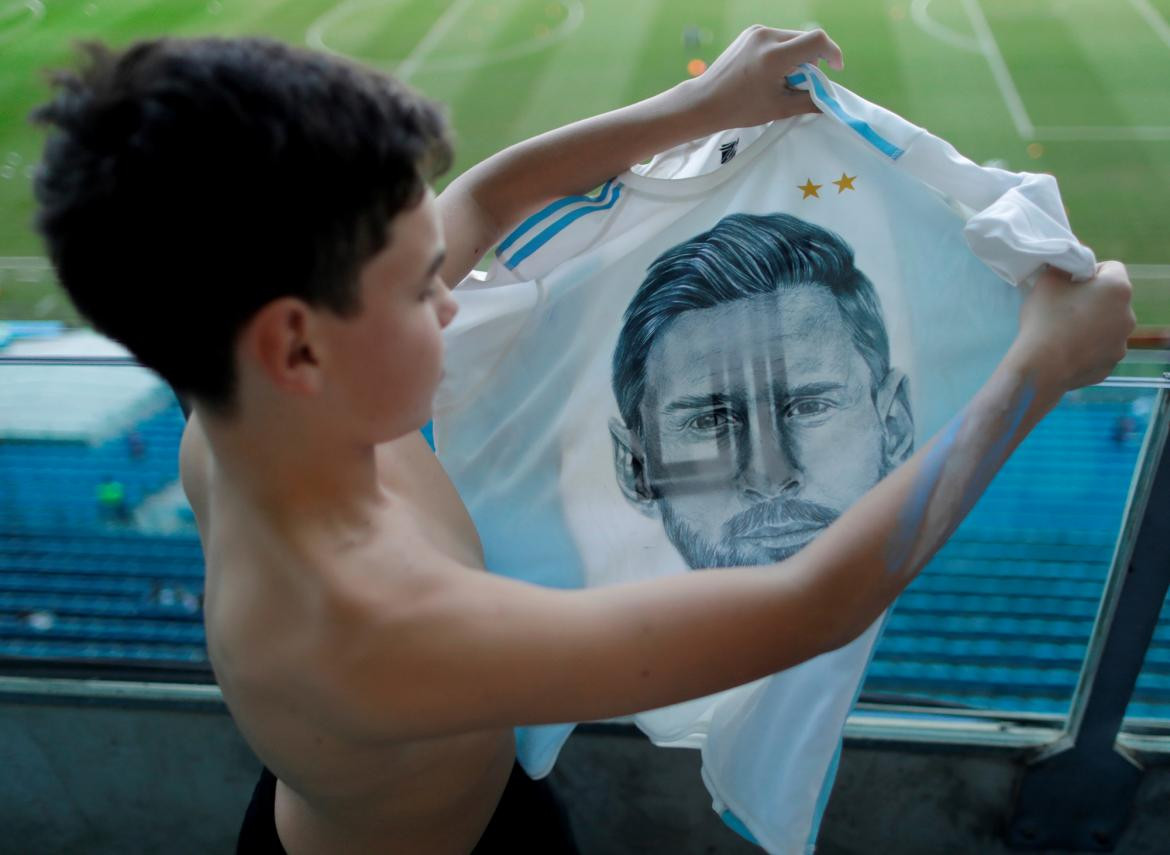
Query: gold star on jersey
(845, 182)
(810, 189)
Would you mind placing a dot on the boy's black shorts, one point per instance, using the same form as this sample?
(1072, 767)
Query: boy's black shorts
(529, 818)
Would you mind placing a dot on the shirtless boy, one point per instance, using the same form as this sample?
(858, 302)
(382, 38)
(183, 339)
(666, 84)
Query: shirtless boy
(253, 222)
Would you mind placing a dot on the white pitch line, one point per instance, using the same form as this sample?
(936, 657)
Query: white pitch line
(315, 34)
(19, 262)
(932, 27)
(574, 15)
(999, 69)
(1153, 18)
(1148, 271)
(1104, 133)
(315, 38)
(36, 10)
(428, 42)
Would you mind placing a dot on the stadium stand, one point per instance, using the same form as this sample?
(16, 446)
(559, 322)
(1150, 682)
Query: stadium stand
(1002, 617)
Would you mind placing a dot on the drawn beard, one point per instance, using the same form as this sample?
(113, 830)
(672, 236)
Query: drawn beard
(735, 550)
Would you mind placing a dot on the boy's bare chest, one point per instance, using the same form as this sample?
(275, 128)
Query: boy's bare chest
(408, 466)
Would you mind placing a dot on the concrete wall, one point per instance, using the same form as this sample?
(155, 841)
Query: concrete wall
(99, 779)
(914, 801)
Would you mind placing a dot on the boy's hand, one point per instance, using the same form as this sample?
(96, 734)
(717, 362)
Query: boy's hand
(1072, 334)
(746, 85)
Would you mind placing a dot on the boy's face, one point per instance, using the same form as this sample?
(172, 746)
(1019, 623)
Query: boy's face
(389, 356)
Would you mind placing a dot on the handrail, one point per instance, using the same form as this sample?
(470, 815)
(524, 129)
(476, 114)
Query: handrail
(79, 360)
(1149, 338)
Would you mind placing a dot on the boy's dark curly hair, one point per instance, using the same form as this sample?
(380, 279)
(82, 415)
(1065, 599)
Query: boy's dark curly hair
(186, 183)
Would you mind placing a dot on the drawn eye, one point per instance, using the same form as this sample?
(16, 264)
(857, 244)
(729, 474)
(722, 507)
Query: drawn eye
(714, 420)
(807, 407)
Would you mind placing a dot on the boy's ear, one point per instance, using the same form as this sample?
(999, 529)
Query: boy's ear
(284, 342)
(893, 407)
(629, 465)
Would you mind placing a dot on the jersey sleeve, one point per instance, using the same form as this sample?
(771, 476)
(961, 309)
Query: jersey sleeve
(558, 232)
(1017, 221)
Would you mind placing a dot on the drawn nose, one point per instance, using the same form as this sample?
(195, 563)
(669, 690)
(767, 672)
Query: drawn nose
(770, 470)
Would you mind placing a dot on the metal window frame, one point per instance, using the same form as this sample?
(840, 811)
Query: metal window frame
(1078, 792)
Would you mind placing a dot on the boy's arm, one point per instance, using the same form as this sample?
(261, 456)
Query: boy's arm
(742, 88)
(469, 650)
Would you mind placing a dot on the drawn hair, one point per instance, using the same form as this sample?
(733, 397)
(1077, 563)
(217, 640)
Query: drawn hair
(743, 256)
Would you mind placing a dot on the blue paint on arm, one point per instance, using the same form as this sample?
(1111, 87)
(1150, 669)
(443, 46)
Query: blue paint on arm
(914, 511)
(996, 454)
(913, 515)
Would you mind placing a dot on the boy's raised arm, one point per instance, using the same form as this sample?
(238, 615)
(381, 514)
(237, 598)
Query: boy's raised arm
(743, 87)
(469, 650)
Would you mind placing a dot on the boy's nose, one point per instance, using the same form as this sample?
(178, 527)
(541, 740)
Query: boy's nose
(448, 308)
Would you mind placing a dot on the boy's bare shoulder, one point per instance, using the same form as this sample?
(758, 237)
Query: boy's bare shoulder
(411, 470)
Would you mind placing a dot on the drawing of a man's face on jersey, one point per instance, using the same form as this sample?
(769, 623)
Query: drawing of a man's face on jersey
(756, 397)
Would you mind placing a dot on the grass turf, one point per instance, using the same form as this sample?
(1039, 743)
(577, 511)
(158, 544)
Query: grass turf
(512, 68)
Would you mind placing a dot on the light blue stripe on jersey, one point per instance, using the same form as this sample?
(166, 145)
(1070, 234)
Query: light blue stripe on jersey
(548, 211)
(552, 231)
(831, 775)
(736, 824)
(864, 130)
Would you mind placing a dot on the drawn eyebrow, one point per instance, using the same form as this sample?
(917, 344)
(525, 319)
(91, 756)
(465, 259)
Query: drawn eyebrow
(717, 399)
(697, 402)
(818, 388)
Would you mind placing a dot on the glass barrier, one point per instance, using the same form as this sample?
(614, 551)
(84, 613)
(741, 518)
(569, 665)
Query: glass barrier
(28, 288)
(99, 557)
(1001, 618)
(1151, 696)
(100, 564)
(1146, 362)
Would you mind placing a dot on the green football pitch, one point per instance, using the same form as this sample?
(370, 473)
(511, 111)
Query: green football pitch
(1078, 88)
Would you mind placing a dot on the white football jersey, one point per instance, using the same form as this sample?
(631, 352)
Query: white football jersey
(706, 361)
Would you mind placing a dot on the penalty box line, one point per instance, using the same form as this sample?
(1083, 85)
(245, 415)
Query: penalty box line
(989, 47)
(1154, 18)
(1014, 102)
